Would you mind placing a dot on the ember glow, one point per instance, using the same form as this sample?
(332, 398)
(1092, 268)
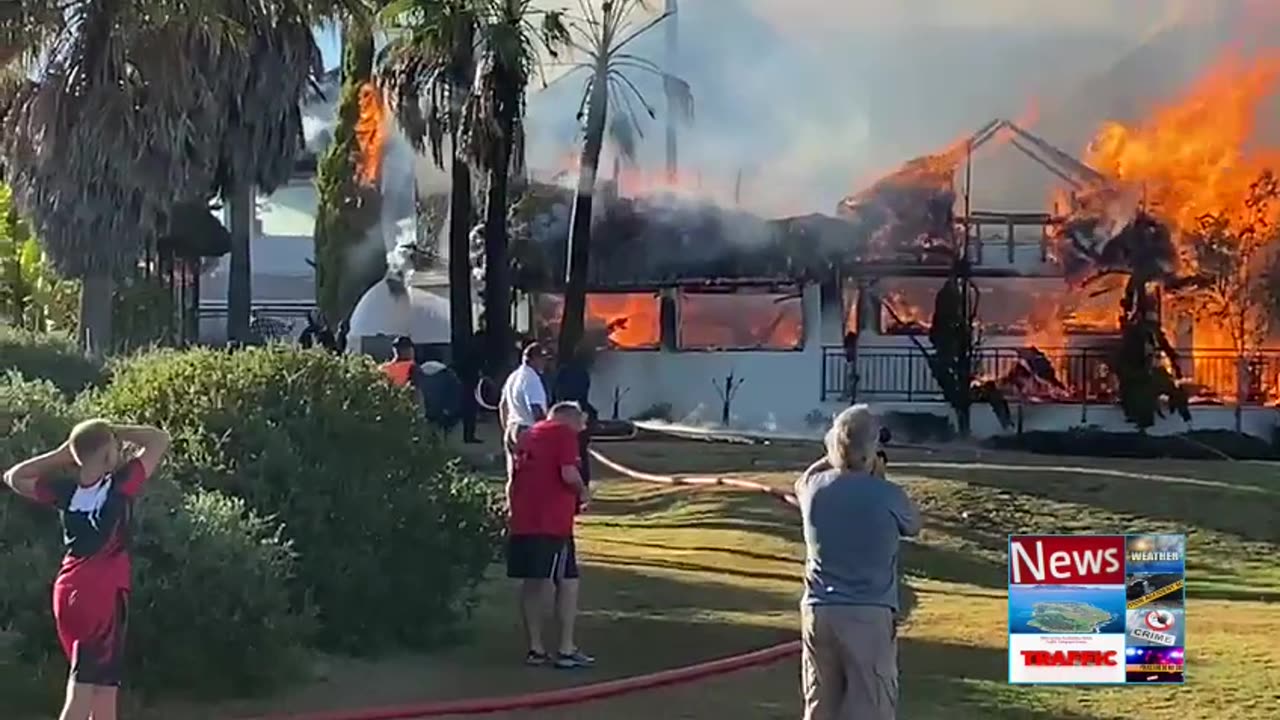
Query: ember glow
(740, 321)
(628, 321)
(371, 134)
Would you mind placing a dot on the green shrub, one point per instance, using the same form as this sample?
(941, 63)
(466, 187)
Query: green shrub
(211, 612)
(392, 537)
(211, 609)
(48, 356)
(33, 418)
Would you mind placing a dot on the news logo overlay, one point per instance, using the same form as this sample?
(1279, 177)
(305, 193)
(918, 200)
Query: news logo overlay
(1096, 609)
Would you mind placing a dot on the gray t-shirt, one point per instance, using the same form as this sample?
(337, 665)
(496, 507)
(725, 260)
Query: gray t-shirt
(852, 524)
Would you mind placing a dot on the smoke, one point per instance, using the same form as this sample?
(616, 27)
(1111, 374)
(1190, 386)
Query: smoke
(806, 99)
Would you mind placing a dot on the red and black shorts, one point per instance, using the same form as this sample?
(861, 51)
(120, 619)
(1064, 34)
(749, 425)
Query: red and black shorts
(541, 557)
(91, 628)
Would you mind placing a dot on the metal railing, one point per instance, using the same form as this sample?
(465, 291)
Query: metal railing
(280, 319)
(1084, 375)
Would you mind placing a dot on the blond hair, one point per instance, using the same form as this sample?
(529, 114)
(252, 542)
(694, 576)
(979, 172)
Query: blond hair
(851, 441)
(566, 410)
(89, 437)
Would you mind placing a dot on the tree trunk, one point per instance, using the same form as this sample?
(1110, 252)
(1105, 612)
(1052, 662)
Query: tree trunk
(97, 292)
(497, 264)
(461, 324)
(1242, 389)
(346, 206)
(964, 420)
(572, 326)
(239, 279)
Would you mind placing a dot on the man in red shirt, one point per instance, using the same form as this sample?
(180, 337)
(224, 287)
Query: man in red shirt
(544, 495)
(93, 491)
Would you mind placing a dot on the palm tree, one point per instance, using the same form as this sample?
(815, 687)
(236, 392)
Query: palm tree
(603, 37)
(349, 195)
(513, 37)
(426, 72)
(187, 100)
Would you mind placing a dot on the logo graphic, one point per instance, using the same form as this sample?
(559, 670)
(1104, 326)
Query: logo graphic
(1072, 609)
(1096, 609)
(1156, 553)
(1155, 627)
(1154, 665)
(1159, 620)
(1069, 658)
(1066, 560)
(1153, 590)
(1084, 659)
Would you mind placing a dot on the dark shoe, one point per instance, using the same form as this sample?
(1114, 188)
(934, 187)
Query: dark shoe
(536, 659)
(574, 660)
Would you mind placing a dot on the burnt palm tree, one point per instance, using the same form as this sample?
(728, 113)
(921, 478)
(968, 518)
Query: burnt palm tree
(602, 37)
(188, 101)
(426, 71)
(513, 38)
(347, 185)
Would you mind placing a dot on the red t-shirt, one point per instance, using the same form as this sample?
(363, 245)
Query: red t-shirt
(96, 526)
(541, 504)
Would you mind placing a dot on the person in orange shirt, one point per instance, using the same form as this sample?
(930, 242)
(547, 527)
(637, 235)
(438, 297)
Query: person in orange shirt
(404, 371)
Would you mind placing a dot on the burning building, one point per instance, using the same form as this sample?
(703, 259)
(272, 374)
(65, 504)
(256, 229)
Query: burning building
(810, 313)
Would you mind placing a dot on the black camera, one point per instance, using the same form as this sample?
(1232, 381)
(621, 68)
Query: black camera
(885, 438)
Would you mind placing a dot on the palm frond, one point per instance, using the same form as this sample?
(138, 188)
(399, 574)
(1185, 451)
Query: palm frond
(186, 96)
(625, 134)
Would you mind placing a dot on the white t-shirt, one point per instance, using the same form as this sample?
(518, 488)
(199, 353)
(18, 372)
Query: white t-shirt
(521, 392)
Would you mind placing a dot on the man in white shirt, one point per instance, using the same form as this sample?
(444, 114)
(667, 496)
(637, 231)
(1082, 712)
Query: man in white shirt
(524, 399)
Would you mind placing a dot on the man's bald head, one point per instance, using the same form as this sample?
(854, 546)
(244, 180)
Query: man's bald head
(569, 413)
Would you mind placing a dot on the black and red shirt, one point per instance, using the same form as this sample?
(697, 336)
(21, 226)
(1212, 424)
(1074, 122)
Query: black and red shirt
(96, 526)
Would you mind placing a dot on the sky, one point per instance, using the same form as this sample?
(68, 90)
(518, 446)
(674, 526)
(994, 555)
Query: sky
(808, 100)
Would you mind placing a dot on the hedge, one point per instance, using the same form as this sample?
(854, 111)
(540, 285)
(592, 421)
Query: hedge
(48, 356)
(212, 614)
(392, 537)
(1195, 445)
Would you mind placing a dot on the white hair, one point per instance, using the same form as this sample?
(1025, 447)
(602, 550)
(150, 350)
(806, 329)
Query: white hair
(852, 440)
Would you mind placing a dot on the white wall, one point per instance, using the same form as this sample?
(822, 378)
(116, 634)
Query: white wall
(782, 391)
(778, 388)
(1257, 421)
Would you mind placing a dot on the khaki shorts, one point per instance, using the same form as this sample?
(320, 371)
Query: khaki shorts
(850, 663)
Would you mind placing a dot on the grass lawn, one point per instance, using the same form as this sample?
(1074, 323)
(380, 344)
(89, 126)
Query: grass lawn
(673, 576)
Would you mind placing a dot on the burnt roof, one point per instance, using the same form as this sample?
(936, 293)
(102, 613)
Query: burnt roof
(663, 241)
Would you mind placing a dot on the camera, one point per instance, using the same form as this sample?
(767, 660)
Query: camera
(885, 438)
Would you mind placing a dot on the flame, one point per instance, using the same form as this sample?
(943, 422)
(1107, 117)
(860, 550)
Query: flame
(1195, 157)
(627, 320)
(371, 134)
(707, 320)
(740, 320)
(900, 315)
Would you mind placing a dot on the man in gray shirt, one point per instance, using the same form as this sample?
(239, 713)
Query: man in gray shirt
(853, 521)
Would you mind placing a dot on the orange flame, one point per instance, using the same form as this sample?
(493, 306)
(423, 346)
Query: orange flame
(741, 321)
(627, 320)
(371, 134)
(707, 320)
(1199, 156)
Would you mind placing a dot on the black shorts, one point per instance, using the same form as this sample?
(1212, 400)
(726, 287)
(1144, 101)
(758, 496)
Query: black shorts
(541, 557)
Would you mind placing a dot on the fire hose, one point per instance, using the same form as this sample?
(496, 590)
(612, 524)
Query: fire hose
(597, 691)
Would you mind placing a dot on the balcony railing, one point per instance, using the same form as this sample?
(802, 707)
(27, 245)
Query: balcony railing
(1084, 375)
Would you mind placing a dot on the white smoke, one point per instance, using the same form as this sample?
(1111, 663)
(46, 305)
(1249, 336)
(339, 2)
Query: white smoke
(848, 91)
